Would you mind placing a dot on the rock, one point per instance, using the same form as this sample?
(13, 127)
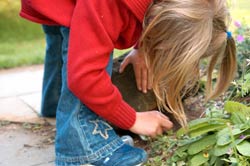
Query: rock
(126, 83)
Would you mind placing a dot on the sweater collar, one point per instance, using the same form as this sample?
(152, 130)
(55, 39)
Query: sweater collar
(138, 7)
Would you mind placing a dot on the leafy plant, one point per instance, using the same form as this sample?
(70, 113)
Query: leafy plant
(242, 35)
(241, 86)
(219, 139)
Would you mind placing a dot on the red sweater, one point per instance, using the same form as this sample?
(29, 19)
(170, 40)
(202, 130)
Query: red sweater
(96, 28)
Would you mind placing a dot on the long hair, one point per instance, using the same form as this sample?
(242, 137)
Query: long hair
(177, 35)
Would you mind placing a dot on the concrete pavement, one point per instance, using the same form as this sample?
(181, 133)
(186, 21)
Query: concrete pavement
(21, 144)
(20, 95)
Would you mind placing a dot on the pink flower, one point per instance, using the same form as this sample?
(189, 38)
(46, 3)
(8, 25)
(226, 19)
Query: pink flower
(240, 38)
(242, 137)
(237, 24)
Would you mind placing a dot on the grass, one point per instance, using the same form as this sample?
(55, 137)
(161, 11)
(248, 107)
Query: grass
(240, 10)
(22, 42)
(21, 53)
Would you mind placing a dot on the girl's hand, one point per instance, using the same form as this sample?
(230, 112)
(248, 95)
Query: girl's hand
(141, 71)
(151, 123)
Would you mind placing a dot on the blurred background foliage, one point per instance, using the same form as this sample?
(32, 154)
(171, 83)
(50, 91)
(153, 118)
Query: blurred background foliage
(22, 42)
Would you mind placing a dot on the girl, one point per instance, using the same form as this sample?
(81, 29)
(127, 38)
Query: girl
(175, 36)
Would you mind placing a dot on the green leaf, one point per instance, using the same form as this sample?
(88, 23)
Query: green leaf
(212, 160)
(188, 140)
(232, 106)
(202, 144)
(237, 131)
(197, 124)
(181, 150)
(244, 148)
(245, 84)
(224, 137)
(221, 150)
(239, 112)
(175, 158)
(206, 129)
(192, 125)
(233, 160)
(237, 118)
(198, 159)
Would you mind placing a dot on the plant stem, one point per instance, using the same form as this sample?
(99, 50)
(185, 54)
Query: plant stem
(233, 141)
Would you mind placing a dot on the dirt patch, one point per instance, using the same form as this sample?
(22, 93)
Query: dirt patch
(26, 145)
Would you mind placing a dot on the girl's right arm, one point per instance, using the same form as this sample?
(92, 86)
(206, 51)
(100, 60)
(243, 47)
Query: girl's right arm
(151, 123)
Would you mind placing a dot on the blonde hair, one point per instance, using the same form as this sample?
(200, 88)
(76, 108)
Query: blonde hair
(177, 35)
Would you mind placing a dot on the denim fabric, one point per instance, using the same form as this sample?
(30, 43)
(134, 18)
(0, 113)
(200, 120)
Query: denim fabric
(82, 137)
(124, 156)
(52, 79)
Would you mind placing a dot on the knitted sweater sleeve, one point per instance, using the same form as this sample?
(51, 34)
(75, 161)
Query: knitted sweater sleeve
(96, 27)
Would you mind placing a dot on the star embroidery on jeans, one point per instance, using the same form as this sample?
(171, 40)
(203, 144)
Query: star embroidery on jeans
(101, 128)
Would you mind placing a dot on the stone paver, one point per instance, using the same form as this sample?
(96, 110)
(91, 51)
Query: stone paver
(20, 94)
(20, 82)
(33, 100)
(15, 110)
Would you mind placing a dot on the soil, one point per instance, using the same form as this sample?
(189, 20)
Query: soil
(26, 144)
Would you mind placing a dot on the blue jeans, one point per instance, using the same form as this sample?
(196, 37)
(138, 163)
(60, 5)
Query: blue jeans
(82, 137)
(52, 78)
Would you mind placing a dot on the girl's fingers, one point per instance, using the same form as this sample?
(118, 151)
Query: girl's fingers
(166, 124)
(144, 80)
(138, 77)
(123, 65)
